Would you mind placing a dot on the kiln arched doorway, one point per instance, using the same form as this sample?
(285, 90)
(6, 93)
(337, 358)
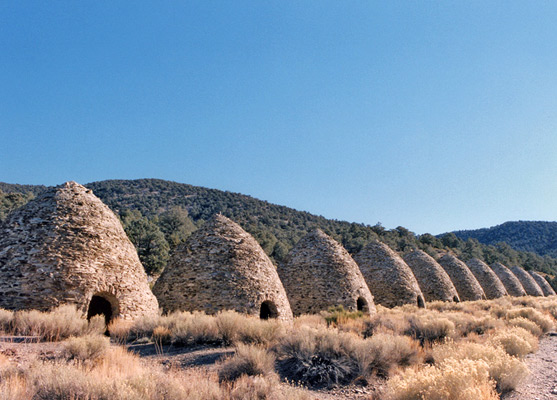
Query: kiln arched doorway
(361, 304)
(102, 304)
(268, 310)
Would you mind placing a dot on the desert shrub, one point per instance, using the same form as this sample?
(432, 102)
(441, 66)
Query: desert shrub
(545, 322)
(87, 347)
(236, 328)
(453, 379)
(6, 320)
(466, 324)
(15, 387)
(515, 341)
(318, 357)
(257, 331)
(120, 330)
(505, 370)
(430, 328)
(60, 323)
(527, 324)
(310, 320)
(386, 320)
(383, 352)
(96, 326)
(248, 360)
(337, 315)
(162, 335)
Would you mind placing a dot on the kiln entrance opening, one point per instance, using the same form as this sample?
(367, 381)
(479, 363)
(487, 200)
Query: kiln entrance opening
(99, 305)
(361, 304)
(268, 310)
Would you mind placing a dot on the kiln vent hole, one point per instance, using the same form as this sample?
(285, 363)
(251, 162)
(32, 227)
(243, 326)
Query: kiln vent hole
(268, 310)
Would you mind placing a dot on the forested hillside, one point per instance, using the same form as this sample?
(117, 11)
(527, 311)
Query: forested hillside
(158, 214)
(537, 236)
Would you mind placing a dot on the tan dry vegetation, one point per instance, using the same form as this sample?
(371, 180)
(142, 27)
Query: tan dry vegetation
(474, 348)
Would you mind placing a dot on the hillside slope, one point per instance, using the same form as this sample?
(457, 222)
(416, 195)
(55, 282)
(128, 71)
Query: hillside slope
(159, 214)
(536, 236)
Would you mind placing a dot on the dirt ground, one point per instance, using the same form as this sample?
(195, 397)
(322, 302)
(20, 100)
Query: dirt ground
(542, 383)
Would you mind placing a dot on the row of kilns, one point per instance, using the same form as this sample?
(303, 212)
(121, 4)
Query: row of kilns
(67, 247)
(222, 267)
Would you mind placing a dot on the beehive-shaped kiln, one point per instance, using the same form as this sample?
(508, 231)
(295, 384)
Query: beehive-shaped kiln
(528, 283)
(222, 267)
(463, 279)
(388, 277)
(543, 284)
(491, 284)
(67, 247)
(318, 273)
(511, 282)
(433, 280)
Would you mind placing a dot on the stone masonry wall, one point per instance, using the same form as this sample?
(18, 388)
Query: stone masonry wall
(388, 277)
(463, 279)
(66, 246)
(319, 273)
(221, 267)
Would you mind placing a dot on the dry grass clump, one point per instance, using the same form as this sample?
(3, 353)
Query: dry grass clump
(248, 360)
(59, 324)
(430, 328)
(326, 357)
(310, 320)
(237, 328)
(383, 352)
(527, 324)
(117, 374)
(515, 341)
(545, 322)
(6, 320)
(507, 371)
(386, 320)
(318, 357)
(85, 348)
(453, 379)
(227, 327)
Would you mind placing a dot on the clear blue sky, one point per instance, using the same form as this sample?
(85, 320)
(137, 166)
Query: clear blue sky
(431, 115)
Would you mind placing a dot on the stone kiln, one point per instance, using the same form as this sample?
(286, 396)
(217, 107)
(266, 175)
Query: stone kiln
(528, 283)
(463, 279)
(543, 284)
(67, 247)
(389, 278)
(510, 281)
(222, 267)
(491, 284)
(433, 280)
(318, 273)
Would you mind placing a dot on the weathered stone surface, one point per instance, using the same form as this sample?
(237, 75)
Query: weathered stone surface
(66, 246)
(543, 284)
(528, 283)
(432, 278)
(319, 273)
(222, 267)
(510, 281)
(463, 279)
(388, 277)
(491, 284)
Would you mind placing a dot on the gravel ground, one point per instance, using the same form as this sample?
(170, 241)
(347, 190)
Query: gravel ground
(542, 383)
